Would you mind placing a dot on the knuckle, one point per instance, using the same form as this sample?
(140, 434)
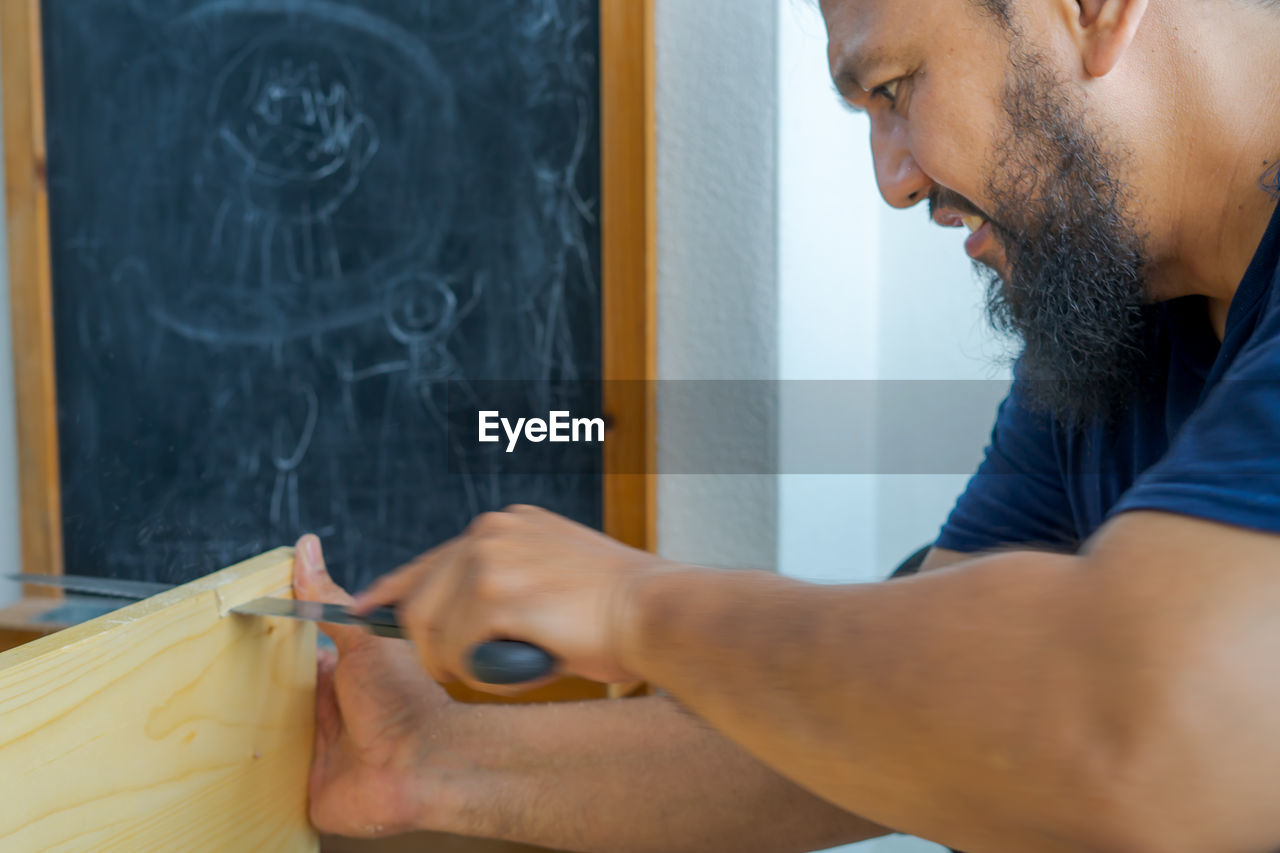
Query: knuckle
(492, 584)
(487, 524)
(485, 552)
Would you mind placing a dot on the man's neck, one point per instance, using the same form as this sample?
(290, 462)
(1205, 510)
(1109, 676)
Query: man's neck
(1225, 87)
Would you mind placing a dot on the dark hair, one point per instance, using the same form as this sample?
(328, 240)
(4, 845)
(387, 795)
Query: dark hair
(998, 9)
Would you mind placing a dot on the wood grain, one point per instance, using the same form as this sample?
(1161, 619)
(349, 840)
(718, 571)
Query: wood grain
(629, 259)
(167, 725)
(30, 292)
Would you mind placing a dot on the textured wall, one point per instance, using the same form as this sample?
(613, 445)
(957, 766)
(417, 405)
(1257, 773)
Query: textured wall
(829, 295)
(717, 265)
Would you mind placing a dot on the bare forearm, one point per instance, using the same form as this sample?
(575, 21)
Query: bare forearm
(926, 704)
(631, 776)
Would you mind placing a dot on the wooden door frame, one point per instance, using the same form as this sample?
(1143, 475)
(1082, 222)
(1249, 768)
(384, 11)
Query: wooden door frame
(628, 261)
(30, 287)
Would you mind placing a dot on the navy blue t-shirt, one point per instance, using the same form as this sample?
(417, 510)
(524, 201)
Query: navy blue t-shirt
(1205, 444)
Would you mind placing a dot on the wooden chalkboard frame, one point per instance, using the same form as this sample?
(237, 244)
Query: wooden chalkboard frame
(628, 258)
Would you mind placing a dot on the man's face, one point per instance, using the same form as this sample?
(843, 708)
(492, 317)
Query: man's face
(969, 114)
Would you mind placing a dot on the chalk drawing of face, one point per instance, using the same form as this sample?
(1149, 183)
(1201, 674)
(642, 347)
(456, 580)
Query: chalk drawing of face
(290, 115)
(318, 166)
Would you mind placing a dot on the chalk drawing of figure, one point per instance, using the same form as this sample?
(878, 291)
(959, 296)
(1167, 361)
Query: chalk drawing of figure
(324, 131)
(341, 218)
(291, 146)
(291, 438)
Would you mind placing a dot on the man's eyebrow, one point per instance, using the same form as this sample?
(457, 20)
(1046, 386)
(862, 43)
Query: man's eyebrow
(844, 100)
(847, 83)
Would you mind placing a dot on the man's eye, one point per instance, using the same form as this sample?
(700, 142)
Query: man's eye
(888, 91)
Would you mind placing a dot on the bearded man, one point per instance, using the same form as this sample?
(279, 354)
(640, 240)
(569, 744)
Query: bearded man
(1094, 670)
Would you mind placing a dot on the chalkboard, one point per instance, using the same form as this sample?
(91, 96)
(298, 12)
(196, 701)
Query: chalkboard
(279, 231)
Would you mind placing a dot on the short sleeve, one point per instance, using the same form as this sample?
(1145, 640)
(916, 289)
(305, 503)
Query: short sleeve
(1017, 496)
(1224, 464)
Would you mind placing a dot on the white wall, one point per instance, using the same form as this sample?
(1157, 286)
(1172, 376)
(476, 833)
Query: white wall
(829, 301)
(776, 259)
(717, 267)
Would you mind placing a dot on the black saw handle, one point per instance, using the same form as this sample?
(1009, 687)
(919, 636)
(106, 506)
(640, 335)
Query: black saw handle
(510, 662)
(502, 662)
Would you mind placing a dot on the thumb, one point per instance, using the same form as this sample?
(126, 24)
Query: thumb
(311, 582)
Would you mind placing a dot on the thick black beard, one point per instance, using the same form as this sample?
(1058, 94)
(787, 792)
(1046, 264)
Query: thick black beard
(1076, 293)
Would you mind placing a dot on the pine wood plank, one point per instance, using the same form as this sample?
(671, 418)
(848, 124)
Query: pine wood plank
(167, 725)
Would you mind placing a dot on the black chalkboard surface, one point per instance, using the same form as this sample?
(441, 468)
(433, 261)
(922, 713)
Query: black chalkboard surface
(279, 229)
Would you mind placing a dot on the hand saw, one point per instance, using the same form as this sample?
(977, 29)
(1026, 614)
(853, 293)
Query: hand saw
(494, 662)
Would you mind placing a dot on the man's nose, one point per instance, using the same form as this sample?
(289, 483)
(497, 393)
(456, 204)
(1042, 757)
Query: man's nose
(901, 181)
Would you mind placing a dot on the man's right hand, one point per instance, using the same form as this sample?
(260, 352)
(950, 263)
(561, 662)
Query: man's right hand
(381, 724)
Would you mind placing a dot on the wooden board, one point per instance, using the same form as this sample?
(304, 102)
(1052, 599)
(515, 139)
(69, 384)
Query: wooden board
(167, 725)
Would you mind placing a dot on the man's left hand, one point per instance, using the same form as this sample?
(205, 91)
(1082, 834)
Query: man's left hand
(521, 574)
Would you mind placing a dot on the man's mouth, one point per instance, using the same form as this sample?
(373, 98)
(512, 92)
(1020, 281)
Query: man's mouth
(979, 235)
(951, 210)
